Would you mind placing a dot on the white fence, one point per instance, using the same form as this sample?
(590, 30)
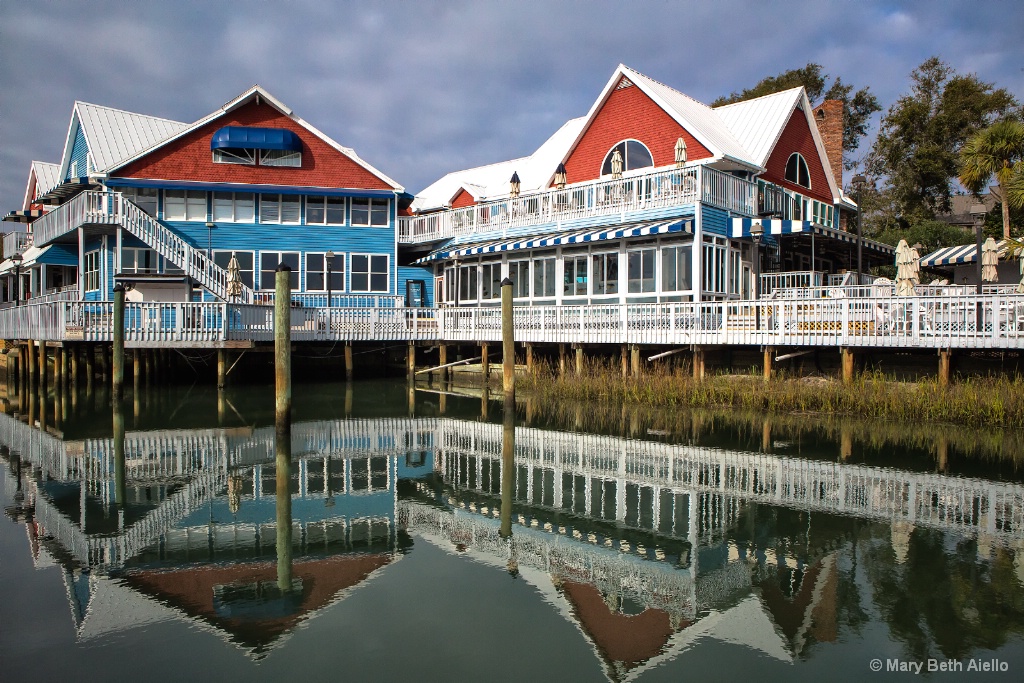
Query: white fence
(965, 321)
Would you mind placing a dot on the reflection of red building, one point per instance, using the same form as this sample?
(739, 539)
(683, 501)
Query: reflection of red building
(809, 612)
(254, 620)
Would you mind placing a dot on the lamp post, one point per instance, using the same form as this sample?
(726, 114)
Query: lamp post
(978, 212)
(328, 262)
(209, 239)
(756, 233)
(858, 192)
(16, 259)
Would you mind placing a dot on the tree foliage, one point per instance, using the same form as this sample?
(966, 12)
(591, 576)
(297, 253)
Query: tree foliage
(858, 106)
(994, 152)
(918, 146)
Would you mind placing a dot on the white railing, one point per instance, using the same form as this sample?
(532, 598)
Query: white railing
(346, 300)
(16, 243)
(111, 208)
(67, 293)
(955, 321)
(658, 189)
(792, 279)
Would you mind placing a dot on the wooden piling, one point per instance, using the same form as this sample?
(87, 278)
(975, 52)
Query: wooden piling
(698, 363)
(410, 360)
(508, 343)
(222, 368)
(561, 360)
(348, 361)
(945, 356)
(58, 367)
(76, 352)
(529, 358)
(485, 363)
(119, 456)
(769, 353)
(579, 360)
(442, 359)
(635, 359)
(42, 363)
(283, 351)
(32, 361)
(624, 357)
(136, 371)
(508, 467)
(118, 346)
(846, 355)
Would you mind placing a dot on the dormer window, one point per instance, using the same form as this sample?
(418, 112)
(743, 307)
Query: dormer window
(246, 146)
(796, 171)
(634, 155)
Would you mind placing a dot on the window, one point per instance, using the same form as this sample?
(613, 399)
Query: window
(544, 277)
(279, 208)
(574, 276)
(74, 171)
(92, 270)
(184, 205)
(634, 155)
(138, 260)
(234, 207)
(675, 268)
(280, 157)
(714, 265)
(490, 281)
(270, 260)
(367, 211)
(735, 271)
(143, 197)
(606, 273)
(235, 155)
(245, 265)
(325, 210)
(316, 273)
(370, 272)
(519, 273)
(467, 276)
(640, 270)
(796, 170)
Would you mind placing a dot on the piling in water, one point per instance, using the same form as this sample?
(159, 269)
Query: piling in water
(283, 344)
(118, 380)
(508, 342)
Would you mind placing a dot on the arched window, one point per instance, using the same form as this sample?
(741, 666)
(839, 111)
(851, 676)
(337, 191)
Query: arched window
(796, 170)
(634, 155)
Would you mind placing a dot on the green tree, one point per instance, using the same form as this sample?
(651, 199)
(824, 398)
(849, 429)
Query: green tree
(918, 145)
(993, 152)
(857, 106)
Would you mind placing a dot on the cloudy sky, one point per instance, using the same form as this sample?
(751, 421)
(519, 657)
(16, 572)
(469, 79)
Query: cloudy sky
(423, 88)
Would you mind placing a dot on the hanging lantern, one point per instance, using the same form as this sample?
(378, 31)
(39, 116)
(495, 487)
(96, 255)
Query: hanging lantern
(514, 186)
(560, 177)
(680, 152)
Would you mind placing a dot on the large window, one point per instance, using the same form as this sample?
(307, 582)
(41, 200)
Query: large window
(184, 205)
(544, 277)
(370, 272)
(235, 155)
(490, 281)
(234, 207)
(245, 265)
(369, 211)
(634, 155)
(138, 260)
(640, 270)
(316, 273)
(796, 170)
(325, 210)
(606, 273)
(714, 264)
(574, 276)
(91, 270)
(280, 157)
(143, 197)
(519, 273)
(675, 268)
(467, 281)
(280, 208)
(270, 260)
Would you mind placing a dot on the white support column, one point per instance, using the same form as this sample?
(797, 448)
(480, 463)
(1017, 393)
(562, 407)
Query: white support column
(620, 499)
(81, 263)
(697, 253)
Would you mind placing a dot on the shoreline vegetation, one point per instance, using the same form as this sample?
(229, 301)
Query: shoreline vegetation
(970, 402)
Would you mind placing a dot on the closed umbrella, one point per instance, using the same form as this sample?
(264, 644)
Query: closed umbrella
(616, 164)
(904, 269)
(989, 261)
(234, 278)
(1020, 287)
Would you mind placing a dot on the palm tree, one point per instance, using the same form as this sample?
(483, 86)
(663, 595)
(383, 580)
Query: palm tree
(993, 151)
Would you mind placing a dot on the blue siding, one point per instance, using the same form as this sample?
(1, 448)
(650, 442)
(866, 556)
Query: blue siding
(714, 221)
(426, 274)
(79, 153)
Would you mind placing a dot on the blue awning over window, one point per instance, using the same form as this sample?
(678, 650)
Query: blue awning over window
(255, 138)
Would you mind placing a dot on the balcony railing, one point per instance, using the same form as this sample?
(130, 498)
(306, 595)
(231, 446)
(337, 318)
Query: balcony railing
(16, 243)
(658, 189)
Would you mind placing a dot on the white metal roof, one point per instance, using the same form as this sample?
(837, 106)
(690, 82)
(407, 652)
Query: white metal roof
(46, 175)
(114, 135)
(759, 122)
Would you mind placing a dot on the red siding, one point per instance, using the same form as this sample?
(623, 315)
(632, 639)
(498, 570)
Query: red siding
(629, 113)
(190, 158)
(796, 137)
(463, 199)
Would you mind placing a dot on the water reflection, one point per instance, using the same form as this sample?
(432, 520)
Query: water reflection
(647, 545)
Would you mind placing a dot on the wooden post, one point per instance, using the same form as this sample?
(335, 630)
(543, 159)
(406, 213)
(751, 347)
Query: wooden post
(58, 368)
(410, 360)
(32, 359)
(635, 359)
(136, 372)
(76, 351)
(698, 363)
(579, 360)
(222, 368)
(118, 350)
(846, 354)
(120, 489)
(42, 363)
(945, 356)
(508, 468)
(283, 361)
(624, 356)
(348, 361)
(508, 341)
(485, 363)
(529, 358)
(769, 352)
(148, 357)
(65, 365)
(283, 433)
(106, 361)
(561, 360)
(442, 359)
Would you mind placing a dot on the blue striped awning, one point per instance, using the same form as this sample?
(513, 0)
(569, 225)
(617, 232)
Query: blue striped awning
(954, 256)
(561, 238)
(740, 227)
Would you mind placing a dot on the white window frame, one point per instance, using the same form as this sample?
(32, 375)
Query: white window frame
(336, 272)
(644, 251)
(625, 157)
(239, 156)
(520, 272)
(133, 195)
(490, 284)
(192, 205)
(288, 158)
(370, 272)
(548, 276)
(272, 209)
(251, 271)
(576, 258)
(296, 278)
(234, 200)
(91, 270)
(611, 285)
(320, 202)
(371, 211)
(132, 254)
(801, 162)
(679, 253)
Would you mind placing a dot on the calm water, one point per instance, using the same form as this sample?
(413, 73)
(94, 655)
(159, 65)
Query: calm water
(422, 536)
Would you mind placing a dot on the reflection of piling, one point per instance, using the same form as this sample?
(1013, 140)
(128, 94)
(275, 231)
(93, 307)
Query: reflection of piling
(119, 464)
(845, 442)
(508, 449)
(766, 436)
(508, 343)
(283, 344)
(348, 361)
(118, 384)
(348, 399)
(222, 368)
(282, 475)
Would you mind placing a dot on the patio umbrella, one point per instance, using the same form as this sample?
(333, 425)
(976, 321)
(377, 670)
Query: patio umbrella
(1020, 287)
(680, 152)
(905, 274)
(234, 278)
(989, 261)
(616, 165)
(915, 265)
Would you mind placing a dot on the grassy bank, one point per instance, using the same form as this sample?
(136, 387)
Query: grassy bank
(976, 402)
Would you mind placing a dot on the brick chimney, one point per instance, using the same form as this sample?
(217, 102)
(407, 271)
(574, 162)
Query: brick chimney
(829, 117)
